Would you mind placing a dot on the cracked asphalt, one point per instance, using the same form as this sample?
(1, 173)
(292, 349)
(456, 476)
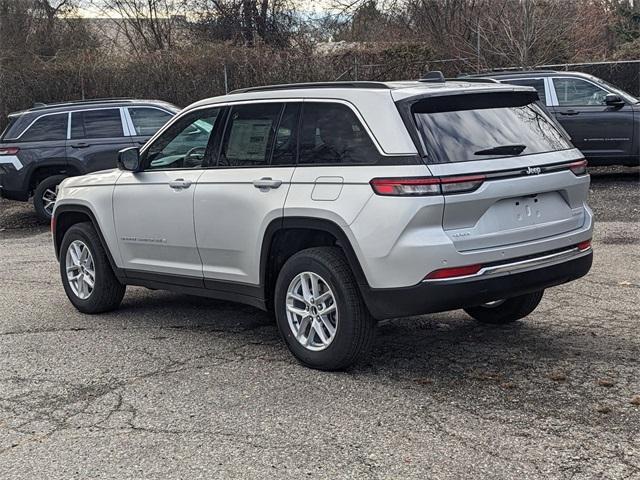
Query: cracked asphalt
(176, 387)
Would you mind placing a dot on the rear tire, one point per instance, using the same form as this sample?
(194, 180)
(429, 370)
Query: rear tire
(45, 195)
(107, 292)
(335, 340)
(508, 311)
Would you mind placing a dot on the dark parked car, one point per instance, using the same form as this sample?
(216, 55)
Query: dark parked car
(45, 144)
(602, 120)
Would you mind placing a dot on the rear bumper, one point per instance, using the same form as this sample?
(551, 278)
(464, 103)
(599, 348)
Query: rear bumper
(501, 281)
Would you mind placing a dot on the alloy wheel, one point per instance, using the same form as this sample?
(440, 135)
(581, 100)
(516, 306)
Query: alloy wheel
(49, 199)
(312, 311)
(81, 271)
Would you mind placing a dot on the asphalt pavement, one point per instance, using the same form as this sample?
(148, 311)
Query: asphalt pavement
(177, 387)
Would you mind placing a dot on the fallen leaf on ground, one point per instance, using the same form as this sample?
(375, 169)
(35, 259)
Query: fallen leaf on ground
(603, 409)
(558, 376)
(606, 382)
(635, 400)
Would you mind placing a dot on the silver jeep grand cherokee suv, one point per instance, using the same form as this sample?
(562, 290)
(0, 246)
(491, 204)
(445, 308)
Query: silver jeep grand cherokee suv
(336, 205)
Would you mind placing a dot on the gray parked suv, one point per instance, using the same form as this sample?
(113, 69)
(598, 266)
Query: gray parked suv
(602, 120)
(335, 205)
(45, 144)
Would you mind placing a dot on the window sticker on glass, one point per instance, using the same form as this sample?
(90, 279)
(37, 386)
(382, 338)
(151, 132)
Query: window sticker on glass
(248, 140)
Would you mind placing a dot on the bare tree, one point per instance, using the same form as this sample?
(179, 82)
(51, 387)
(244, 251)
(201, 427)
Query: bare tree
(148, 25)
(271, 22)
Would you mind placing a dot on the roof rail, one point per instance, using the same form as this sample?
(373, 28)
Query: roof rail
(473, 80)
(292, 86)
(511, 71)
(41, 105)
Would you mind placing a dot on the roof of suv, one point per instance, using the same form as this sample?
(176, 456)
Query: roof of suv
(349, 90)
(92, 103)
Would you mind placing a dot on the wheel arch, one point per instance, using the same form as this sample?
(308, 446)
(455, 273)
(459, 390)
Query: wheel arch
(65, 216)
(315, 232)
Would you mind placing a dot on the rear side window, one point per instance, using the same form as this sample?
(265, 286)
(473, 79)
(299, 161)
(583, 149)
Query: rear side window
(148, 121)
(472, 127)
(248, 138)
(47, 128)
(285, 144)
(537, 83)
(103, 123)
(331, 133)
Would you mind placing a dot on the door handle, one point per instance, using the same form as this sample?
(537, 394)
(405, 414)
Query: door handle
(569, 112)
(266, 183)
(79, 145)
(180, 183)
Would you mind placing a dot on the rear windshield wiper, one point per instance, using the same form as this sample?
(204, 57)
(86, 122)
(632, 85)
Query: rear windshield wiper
(502, 150)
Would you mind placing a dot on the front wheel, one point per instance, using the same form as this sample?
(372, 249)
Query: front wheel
(320, 312)
(500, 312)
(87, 277)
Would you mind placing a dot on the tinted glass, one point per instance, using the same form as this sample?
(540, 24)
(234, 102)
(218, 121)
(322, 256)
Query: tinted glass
(96, 124)
(537, 83)
(184, 144)
(148, 121)
(286, 145)
(249, 135)
(331, 133)
(484, 126)
(50, 127)
(573, 92)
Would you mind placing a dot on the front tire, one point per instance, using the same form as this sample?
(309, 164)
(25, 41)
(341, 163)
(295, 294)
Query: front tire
(506, 311)
(320, 312)
(44, 197)
(87, 277)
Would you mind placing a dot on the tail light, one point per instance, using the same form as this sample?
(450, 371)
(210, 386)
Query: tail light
(421, 186)
(9, 150)
(578, 168)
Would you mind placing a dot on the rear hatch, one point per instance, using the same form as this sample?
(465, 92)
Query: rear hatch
(527, 181)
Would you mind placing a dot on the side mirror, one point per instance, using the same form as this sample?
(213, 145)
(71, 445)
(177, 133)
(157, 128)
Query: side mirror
(129, 159)
(613, 99)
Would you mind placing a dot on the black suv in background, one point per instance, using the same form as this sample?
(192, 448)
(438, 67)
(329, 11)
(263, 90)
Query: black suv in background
(602, 120)
(43, 145)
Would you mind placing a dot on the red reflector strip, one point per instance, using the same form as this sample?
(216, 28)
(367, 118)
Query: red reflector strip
(9, 150)
(578, 168)
(586, 245)
(454, 272)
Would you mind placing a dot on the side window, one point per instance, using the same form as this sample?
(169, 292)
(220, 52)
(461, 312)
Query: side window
(184, 144)
(49, 127)
(537, 83)
(104, 123)
(248, 138)
(574, 92)
(286, 143)
(148, 121)
(331, 133)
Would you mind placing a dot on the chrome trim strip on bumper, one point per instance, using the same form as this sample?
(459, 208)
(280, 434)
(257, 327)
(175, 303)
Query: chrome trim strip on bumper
(528, 264)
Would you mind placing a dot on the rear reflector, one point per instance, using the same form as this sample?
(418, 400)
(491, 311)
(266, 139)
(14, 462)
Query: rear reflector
(454, 272)
(9, 150)
(421, 186)
(578, 168)
(586, 245)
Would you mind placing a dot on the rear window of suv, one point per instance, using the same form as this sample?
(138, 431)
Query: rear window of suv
(463, 128)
